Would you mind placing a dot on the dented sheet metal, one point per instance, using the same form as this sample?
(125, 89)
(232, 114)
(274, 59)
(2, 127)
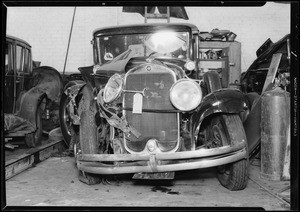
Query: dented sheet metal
(72, 93)
(48, 80)
(116, 121)
(15, 125)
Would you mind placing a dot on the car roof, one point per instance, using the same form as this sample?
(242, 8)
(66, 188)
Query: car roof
(144, 28)
(268, 53)
(18, 39)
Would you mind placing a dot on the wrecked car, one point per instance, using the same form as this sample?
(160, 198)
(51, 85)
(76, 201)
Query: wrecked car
(254, 78)
(146, 109)
(31, 93)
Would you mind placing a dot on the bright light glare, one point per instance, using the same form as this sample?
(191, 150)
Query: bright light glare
(164, 42)
(159, 39)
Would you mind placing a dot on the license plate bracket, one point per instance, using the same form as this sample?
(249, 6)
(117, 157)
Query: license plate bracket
(154, 176)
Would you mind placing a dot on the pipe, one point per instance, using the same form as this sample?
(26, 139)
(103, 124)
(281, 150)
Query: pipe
(69, 41)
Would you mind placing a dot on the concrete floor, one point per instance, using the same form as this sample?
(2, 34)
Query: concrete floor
(54, 182)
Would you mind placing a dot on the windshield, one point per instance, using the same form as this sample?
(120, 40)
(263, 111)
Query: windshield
(164, 44)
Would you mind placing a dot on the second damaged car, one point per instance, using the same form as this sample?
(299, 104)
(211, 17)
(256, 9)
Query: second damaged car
(146, 109)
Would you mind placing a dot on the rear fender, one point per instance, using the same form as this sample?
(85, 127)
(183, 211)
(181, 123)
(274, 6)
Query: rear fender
(30, 101)
(46, 83)
(49, 81)
(230, 101)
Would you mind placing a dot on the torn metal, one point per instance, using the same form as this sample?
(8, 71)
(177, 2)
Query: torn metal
(72, 107)
(114, 120)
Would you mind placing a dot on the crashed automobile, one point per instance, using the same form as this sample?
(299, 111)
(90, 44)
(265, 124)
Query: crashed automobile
(146, 109)
(31, 94)
(254, 78)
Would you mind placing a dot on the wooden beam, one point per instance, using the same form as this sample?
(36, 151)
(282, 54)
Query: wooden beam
(25, 161)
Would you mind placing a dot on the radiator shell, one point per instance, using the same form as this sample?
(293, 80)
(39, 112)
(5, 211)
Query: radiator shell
(160, 121)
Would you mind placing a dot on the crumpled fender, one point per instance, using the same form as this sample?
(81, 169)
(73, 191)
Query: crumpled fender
(47, 82)
(29, 104)
(72, 92)
(227, 100)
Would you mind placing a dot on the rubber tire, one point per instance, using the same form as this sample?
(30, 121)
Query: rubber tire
(88, 134)
(88, 178)
(233, 176)
(34, 139)
(62, 112)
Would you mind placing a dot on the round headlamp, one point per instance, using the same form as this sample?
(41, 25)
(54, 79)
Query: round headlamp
(190, 65)
(113, 88)
(185, 95)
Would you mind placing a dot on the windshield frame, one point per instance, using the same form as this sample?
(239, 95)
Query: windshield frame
(98, 53)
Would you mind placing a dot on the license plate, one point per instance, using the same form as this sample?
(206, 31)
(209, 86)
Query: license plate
(154, 176)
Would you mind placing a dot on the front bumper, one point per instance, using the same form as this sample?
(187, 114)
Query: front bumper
(160, 162)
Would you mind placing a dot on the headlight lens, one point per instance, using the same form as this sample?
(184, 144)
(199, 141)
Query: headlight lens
(113, 88)
(190, 65)
(185, 95)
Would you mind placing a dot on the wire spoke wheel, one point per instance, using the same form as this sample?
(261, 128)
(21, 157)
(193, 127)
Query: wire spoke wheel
(65, 122)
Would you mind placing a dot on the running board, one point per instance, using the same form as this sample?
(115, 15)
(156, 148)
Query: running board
(30, 159)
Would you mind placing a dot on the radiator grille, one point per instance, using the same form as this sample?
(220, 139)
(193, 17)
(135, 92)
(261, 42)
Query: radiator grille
(157, 80)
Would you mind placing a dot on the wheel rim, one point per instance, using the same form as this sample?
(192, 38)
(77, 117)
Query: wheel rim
(66, 118)
(220, 139)
(219, 135)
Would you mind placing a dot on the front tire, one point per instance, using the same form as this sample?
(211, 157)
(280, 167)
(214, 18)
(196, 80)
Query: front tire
(88, 133)
(228, 130)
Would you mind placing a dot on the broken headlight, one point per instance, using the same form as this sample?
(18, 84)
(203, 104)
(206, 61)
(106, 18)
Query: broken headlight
(113, 88)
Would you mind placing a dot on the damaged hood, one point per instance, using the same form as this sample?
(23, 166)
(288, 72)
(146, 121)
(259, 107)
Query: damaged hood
(128, 60)
(117, 64)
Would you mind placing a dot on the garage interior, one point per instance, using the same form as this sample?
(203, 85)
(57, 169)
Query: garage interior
(254, 57)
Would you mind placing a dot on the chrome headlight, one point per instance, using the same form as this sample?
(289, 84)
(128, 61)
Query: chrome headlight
(190, 65)
(113, 88)
(185, 95)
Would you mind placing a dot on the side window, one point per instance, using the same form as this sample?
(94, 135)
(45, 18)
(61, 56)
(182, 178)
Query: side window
(8, 61)
(27, 59)
(19, 58)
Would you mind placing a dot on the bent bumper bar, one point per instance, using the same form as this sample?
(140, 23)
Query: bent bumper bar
(160, 162)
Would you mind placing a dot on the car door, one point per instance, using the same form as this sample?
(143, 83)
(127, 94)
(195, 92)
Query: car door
(9, 84)
(27, 70)
(19, 72)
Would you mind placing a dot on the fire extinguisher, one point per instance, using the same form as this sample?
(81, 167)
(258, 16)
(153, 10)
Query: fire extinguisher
(275, 120)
